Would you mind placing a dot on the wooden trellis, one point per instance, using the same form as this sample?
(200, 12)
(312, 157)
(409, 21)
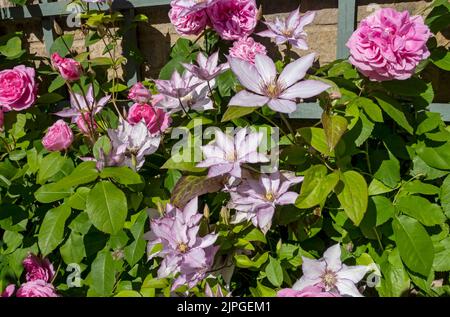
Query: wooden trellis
(48, 10)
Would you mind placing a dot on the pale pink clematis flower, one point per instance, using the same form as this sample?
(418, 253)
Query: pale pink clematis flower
(290, 29)
(278, 92)
(131, 143)
(179, 86)
(331, 273)
(80, 104)
(256, 199)
(207, 68)
(228, 154)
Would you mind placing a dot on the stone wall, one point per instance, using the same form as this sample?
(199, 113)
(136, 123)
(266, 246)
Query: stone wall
(156, 38)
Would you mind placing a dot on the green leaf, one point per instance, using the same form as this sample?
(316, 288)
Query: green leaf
(414, 243)
(51, 192)
(73, 250)
(441, 261)
(395, 111)
(389, 172)
(135, 251)
(102, 274)
(62, 44)
(274, 272)
(445, 196)
(123, 175)
(243, 261)
(51, 232)
(436, 157)
(107, 207)
(178, 162)
(12, 48)
(316, 187)
(234, 112)
(49, 98)
(441, 58)
(50, 165)
(128, 293)
(226, 83)
(353, 195)
(171, 179)
(370, 108)
(57, 83)
(317, 139)
(420, 208)
(78, 199)
(84, 173)
(417, 187)
(334, 127)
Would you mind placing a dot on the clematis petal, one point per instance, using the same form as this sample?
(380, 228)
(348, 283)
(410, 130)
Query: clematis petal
(313, 269)
(246, 73)
(305, 89)
(287, 198)
(282, 105)
(220, 169)
(352, 273)
(332, 257)
(248, 99)
(224, 142)
(295, 71)
(266, 68)
(347, 287)
(304, 282)
(306, 19)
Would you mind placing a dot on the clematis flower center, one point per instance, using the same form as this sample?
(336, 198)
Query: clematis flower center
(270, 196)
(188, 101)
(231, 156)
(183, 247)
(288, 32)
(329, 279)
(272, 90)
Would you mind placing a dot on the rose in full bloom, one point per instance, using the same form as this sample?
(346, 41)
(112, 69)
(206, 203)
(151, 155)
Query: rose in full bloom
(18, 88)
(389, 45)
(139, 93)
(234, 19)
(156, 119)
(69, 68)
(37, 288)
(38, 268)
(59, 137)
(246, 49)
(188, 23)
(310, 291)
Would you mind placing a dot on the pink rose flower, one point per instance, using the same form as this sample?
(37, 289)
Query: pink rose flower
(157, 120)
(38, 268)
(37, 288)
(59, 137)
(389, 45)
(9, 291)
(234, 19)
(139, 93)
(310, 291)
(85, 123)
(246, 49)
(69, 68)
(18, 88)
(188, 23)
